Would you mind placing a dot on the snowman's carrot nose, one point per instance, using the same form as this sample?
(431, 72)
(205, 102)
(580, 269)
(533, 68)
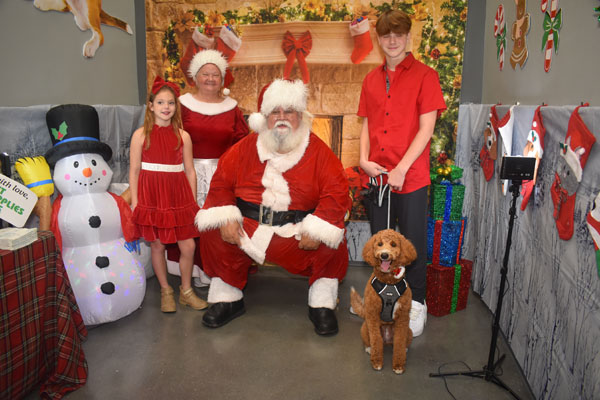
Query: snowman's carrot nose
(87, 172)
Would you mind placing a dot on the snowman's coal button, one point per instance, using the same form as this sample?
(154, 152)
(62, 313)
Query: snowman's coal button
(95, 221)
(102, 262)
(108, 288)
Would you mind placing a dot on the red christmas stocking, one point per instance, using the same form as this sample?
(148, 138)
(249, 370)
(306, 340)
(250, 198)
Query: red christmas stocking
(228, 43)
(200, 41)
(505, 130)
(533, 148)
(573, 157)
(359, 29)
(593, 223)
(489, 151)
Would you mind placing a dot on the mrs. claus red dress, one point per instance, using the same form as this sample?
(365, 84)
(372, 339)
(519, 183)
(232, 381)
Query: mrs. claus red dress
(166, 207)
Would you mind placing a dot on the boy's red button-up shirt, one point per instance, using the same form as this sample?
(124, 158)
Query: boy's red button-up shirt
(393, 116)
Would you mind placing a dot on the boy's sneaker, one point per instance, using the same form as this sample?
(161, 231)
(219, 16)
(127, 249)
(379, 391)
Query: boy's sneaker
(418, 317)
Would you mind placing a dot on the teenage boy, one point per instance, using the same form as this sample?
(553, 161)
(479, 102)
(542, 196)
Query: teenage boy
(400, 102)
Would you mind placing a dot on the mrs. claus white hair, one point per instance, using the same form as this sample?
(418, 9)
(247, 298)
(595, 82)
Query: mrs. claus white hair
(204, 57)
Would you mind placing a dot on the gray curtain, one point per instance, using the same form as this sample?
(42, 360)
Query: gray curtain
(23, 133)
(551, 307)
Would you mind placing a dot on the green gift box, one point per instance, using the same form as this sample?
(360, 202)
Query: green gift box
(446, 201)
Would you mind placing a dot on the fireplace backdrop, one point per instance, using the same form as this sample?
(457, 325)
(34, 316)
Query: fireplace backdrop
(335, 82)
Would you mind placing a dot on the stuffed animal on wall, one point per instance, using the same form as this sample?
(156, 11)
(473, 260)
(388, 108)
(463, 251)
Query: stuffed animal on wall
(88, 15)
(92, 226)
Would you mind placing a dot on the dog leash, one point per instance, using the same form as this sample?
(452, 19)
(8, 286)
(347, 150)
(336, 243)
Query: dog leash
(381, 193)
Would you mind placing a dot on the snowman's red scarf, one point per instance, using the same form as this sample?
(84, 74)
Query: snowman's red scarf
(127, 225)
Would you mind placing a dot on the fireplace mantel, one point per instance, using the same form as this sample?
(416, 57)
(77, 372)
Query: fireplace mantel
(332, 43)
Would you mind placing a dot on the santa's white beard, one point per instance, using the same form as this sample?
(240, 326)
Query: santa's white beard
(282, 140)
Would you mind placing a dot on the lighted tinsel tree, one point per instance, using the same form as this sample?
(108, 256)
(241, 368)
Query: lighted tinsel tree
(443, 52)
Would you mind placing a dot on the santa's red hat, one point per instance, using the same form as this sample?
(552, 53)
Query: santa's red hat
(209, 57)
(279, 93)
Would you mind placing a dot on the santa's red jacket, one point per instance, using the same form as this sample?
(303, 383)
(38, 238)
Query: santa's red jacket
(309, 177)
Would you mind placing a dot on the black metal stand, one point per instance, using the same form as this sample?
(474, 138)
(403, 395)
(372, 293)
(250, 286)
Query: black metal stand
(489, 371)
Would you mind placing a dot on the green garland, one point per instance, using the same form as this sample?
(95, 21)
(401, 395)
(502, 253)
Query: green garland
(441, 51)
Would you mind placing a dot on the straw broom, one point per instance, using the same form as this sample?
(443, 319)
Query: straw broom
(35, 173)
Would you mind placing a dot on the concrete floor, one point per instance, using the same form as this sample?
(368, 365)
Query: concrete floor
(272, 352)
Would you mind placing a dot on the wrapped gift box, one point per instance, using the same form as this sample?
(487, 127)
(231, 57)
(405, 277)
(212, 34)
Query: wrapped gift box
(446, 200)
(448, 287)
(444, 241)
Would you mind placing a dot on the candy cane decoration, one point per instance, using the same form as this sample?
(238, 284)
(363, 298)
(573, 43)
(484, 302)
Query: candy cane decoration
(551, 25)
(500, 34)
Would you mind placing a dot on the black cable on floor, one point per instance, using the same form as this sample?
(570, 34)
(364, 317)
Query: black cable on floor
(444, 378)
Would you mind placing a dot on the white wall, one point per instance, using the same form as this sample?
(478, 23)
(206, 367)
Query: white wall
(41, 59)
(573, 76)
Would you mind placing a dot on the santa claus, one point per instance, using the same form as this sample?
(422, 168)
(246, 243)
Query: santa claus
(278, 196)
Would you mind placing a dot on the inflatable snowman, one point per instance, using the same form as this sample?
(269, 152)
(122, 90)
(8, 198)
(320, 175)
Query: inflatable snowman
(92, 226)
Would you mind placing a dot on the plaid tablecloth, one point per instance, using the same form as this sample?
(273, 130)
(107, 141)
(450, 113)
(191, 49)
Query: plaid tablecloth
(41, 328)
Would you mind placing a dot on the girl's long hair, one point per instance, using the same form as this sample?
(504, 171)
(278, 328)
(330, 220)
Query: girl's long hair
(149, 118)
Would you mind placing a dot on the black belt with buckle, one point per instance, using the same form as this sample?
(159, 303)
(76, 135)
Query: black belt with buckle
(266, 216)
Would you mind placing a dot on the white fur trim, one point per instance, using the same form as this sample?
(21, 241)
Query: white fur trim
(220, 292)
(323, 293)
(201, 107)
(202, 40)
(230, 39)
(215, 217)
(256, 247)
(226, 91)
(322, 230)
(286, 94)
(277, 193)
(208, 56)
(360, 28)
(257, 122)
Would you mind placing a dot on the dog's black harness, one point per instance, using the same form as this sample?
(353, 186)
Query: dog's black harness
(389, 295)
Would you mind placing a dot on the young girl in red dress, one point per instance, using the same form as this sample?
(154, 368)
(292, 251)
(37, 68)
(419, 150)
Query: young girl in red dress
(163, 190)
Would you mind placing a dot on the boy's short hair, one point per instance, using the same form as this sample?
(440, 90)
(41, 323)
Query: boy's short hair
(395, 21)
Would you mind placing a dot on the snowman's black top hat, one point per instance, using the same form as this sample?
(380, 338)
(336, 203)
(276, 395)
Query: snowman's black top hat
(74, 129)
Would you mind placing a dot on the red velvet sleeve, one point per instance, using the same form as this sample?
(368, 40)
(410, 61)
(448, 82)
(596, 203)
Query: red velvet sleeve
(241, 126)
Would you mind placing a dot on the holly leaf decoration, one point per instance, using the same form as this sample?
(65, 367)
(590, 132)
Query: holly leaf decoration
(61, 132)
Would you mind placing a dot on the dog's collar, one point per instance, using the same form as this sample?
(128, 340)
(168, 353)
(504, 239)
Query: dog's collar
(389, 294)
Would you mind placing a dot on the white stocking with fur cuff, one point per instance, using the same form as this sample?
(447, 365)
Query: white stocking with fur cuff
(323, 293)
(221, 292)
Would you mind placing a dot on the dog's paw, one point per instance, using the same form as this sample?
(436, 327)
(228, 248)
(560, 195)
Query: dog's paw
(399, 371)
(377, 366)
(368, 350)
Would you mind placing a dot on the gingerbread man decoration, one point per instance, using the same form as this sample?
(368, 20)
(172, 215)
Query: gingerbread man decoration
(520, 29)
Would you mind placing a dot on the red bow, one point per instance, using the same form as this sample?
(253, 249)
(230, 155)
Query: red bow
(293, 49)
(159, 83)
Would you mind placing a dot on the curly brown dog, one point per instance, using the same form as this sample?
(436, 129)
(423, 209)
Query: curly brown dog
(386, 322)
